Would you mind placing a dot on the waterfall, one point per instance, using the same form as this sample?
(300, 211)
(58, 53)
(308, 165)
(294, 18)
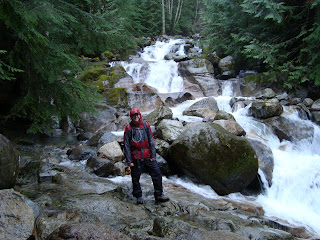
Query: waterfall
(295, 192)
(154, 70)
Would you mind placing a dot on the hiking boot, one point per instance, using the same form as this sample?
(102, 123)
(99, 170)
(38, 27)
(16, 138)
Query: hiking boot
(140, 200)
(161, 198)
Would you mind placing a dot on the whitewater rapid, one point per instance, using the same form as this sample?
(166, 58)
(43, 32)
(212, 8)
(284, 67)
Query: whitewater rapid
(294, 195)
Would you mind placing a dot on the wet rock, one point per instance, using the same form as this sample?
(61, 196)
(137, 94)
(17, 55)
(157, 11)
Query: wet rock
(119, 169)
(200, 67)
(112, 151)
(16, 217)
(174, 99)
(144, 101)
(227, 64)
(208, 85)
(222, 115)
(231, 126)
(102, 167)
(169, 130)
(156, 116)
(267, 93)
(238, 105)
(29, 170)
(161, 147)
(308, 102)
(209, 103)
(249, 86)
(9, 162)
(285, 129)
(265, 157)
(266, 109)
(200, 112)
(84, 231)
(163, 165)
(81, 152)
(103, 121)
(102, 138)
(213, 156)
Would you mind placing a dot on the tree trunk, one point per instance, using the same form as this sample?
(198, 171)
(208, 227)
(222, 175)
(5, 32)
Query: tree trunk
(163, 19)
(178, 12)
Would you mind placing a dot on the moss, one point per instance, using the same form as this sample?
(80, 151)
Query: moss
(116, 96)
(91, 75)
(257, 77)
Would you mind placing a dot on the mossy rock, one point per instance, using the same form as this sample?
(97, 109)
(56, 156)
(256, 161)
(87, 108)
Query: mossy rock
(91, 75)
(116, 96)
(258, 78)
(209, 154)
(101, 76)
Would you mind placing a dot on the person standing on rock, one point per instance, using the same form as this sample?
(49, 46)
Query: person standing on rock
(140, 152)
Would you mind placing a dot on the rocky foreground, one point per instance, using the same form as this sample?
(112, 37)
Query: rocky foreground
(70, 202)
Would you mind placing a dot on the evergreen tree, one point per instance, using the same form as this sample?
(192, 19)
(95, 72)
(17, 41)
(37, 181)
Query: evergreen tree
(44, 38)
(284, 34)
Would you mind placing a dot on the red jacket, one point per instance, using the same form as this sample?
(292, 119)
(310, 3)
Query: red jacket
(138, 140)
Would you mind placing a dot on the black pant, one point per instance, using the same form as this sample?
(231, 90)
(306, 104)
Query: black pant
(154, 171)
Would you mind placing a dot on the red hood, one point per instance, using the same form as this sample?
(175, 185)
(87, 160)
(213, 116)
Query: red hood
(133, 111)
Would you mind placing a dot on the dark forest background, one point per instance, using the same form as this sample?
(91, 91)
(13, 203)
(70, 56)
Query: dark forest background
(43, 44)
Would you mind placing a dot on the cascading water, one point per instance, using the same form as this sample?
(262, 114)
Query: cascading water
(154, 70)
(295, 192)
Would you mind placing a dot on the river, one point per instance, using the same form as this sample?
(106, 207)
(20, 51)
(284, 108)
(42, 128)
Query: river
(294, 195)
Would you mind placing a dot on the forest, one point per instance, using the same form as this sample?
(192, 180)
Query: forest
(42, 43)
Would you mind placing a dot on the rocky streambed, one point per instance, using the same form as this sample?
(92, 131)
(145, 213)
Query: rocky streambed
(68, 201)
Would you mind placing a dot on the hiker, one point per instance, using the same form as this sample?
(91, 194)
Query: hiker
(140, 153)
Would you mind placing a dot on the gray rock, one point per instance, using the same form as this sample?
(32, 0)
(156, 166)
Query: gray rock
(265, 157)
(227, 64)
(101, 138)
(17, 218)
(156, 116)
(200, 112)
(209, 103)
(169, 130)
(9, 162)
(266, 109)
(102, 167)
(231, 126)
(213, 156)
(223, 115)
(285, 129)
(102, 121)
(308, 102)
(84, 231)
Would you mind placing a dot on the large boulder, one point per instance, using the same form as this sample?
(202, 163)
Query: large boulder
(208, 153)
(101, 138)
(290, 130)
(156, 116)
(144, 101)
(231, 126)
(9, 163)
(209, 103)
(266, 109)
(104, 120)
(112, 151)
(16, 217)
(169, 130)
